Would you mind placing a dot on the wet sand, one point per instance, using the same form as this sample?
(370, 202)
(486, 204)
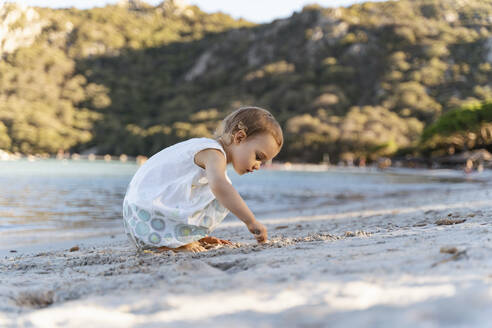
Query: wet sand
(419, 260)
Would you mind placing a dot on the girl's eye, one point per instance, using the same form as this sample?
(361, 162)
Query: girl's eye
(258, 157)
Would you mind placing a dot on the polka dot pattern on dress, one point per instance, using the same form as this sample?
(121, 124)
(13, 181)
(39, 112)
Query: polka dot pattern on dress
(158, 224)
(153, 228)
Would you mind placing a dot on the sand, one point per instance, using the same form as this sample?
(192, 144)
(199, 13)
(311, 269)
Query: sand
(419, 260)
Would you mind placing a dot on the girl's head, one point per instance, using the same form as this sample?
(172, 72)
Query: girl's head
(251, 136)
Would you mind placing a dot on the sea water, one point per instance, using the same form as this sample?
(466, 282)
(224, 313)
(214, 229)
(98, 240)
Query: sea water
(47, 201)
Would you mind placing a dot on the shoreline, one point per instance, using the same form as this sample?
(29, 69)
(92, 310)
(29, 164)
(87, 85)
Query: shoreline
(469, 161)
(398, 167)
(369, 264)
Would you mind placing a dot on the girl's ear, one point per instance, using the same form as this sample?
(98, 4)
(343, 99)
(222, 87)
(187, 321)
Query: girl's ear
(239, 136)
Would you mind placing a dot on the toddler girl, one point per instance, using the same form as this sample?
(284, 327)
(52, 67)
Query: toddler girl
(182, 193)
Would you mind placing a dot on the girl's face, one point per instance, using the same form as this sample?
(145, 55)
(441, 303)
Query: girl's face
(249, 153)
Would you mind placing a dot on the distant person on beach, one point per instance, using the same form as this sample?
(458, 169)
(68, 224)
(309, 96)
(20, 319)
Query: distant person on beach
(183, 193)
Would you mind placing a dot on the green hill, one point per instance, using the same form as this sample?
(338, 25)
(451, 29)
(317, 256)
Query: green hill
(463, 128)
(359, 81)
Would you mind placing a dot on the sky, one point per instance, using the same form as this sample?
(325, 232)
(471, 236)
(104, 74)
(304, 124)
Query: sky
(259, 11)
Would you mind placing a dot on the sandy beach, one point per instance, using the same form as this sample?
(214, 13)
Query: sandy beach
(419, 260)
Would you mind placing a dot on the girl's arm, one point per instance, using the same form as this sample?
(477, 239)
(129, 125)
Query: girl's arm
(214, 163)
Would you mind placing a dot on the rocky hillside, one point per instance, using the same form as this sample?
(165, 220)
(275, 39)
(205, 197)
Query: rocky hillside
(362, 81)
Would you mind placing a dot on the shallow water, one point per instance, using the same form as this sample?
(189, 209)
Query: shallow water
(49, 200)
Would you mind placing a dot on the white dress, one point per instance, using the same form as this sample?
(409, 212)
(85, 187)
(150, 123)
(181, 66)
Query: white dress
(169, 202)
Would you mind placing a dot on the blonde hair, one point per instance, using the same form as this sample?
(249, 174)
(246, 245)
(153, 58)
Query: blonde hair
(252, 120)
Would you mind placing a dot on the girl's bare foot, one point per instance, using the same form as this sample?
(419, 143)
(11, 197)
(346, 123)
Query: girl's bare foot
(212, 241)
(194, 247)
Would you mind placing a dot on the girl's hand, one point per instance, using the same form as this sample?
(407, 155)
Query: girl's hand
(259, 231)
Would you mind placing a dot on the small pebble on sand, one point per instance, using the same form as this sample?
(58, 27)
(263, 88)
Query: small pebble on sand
(449, 221)
(449, 250)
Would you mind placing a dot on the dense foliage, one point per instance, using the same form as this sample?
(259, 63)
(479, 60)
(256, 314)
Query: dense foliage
(460, 129)
(361, 81)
